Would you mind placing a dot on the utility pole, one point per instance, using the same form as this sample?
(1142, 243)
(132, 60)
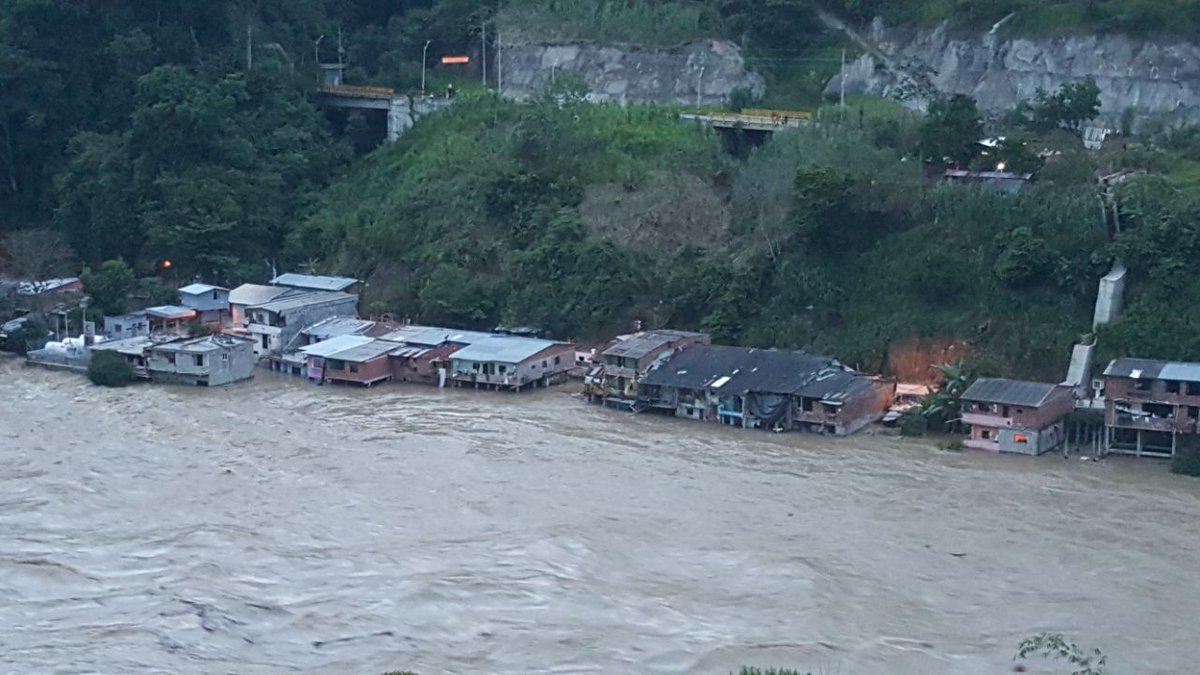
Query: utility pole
(423, 52)
(341, 51)
(843, 95)
(499, 64)
(249, 48)
(317, 57)
(699, 87)
(483, 48)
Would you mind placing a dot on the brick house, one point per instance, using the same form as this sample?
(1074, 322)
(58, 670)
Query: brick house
(1148, 404)
(1016, 416)
(626, 360)
(766, 389)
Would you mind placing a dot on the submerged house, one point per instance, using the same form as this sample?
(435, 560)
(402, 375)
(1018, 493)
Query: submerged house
(771, 389)
(208, 361)
(275, 324)
(333, 327)
(506, 362)
(1016, 416)
(615, 380)
(423, 353)
(210, 302)
(364, 364)
(132, 348)
(1149, 404)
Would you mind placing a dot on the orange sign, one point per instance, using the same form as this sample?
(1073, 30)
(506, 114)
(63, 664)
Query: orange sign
(456, 59)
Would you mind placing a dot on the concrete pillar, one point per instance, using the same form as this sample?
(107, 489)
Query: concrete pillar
(1139, 443)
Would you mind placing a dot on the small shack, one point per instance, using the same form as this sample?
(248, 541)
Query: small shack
(365, 364)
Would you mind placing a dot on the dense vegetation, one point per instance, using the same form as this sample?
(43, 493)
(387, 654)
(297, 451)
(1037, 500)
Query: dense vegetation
(151, 135)
(109, 369)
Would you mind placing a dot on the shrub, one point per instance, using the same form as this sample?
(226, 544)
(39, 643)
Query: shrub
(31, 335)
(109, 369)
(1187, 457)
(913, 423)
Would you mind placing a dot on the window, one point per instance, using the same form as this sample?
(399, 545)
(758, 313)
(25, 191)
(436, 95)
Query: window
(171, 359)
(985, 435)
(1173, 386)
(557, 360)
(215, 296)
(503, 369)
(806, 404)
(198, 359)
(544, 363)
(475, 367)
(1020, 438)
(1141, 385)
(1193, 412)
(1193, 388)
(1005, 413)
(117, 327)
(224, 356)
(354, 367)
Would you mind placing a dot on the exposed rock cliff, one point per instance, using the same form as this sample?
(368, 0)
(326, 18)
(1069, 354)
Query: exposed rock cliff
(703, 73)
(1150, 79)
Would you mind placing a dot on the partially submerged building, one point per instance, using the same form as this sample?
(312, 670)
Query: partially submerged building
(423, 353)
(365, 364)
(133, 324)
(770, 389)
(133, 349)
(249, 295)
(506, 362)
(1149, 404)
(209, 361)
(1015, 415)
(614, 381)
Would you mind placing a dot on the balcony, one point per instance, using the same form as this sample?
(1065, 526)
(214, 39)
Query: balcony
(1144, 422)
(986, 420)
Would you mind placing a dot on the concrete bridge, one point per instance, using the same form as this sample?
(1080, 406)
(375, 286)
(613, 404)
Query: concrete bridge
(402, 110)
(765, 121)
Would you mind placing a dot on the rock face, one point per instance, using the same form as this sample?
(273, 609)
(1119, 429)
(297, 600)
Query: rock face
(703, 73)
(1150, 79)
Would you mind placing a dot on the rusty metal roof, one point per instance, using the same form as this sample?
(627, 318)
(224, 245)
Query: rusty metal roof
(645, 343)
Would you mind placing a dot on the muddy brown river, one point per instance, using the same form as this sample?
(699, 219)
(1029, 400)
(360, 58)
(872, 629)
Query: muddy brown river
(285, 527)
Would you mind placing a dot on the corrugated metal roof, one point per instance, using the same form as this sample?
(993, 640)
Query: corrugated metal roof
(338, 325)
(503, 349)
(433, 336)
(207, 343)
(170, 312)
(409, 352)
(254, 294)
(199, 289)
(1148, 369)
(314, 282)
(133, 345)
(371, 350)
(759, 370)
(336, 344)
(643, 344)
(296, 300)
(1009, 392)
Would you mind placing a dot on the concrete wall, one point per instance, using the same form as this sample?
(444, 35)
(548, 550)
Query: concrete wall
(703, 73)
(1153, 79)
(1110, 297)
(221, 366)
(541, 365)
(295, 320)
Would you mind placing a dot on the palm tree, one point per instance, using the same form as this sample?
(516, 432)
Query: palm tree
(944, 404)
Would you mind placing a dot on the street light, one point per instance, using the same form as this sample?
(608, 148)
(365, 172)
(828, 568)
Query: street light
(423, 51)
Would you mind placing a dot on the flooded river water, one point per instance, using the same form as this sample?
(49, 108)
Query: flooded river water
(284, 527)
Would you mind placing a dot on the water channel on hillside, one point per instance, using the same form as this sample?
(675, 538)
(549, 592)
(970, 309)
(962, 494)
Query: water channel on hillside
(279, 526)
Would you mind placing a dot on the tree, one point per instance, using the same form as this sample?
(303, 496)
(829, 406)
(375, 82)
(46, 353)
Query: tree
(109, 285)
(109, 369)
(1068, 108)
(951, 130)
(1023, 258)
(1055, 647)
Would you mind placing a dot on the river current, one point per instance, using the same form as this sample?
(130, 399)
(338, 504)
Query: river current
(278, 526)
